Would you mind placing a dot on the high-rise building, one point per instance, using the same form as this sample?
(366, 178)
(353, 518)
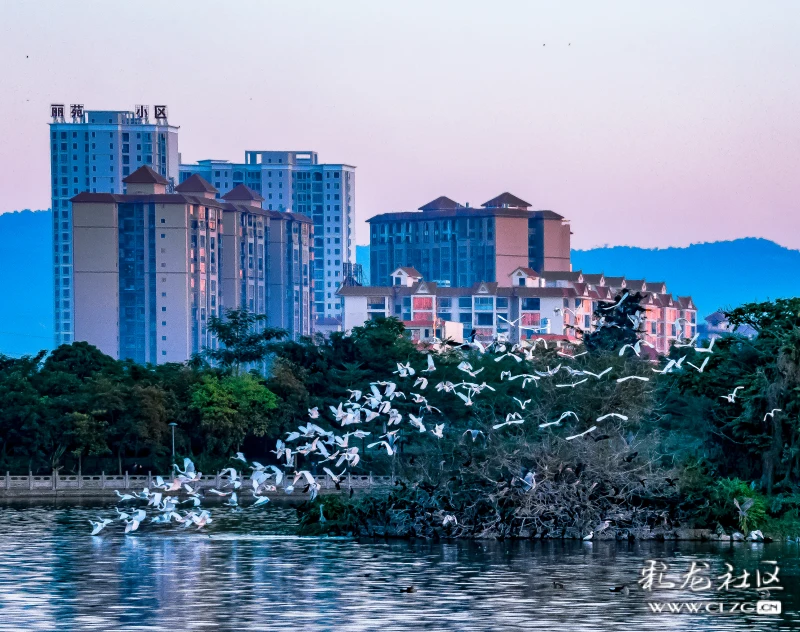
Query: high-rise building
(151, 266)
(266, 263)
(94, 151)
(295, 181)
(459, 246)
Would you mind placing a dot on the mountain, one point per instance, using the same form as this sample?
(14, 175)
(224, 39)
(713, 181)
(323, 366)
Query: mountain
(26, 307)
(716, 275)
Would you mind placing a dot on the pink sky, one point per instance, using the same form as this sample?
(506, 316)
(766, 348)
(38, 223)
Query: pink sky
(646, 124)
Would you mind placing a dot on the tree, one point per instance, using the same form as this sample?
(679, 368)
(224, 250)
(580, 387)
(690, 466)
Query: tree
(232, 407)
(89, 436)
(244, 339)
(617, 324)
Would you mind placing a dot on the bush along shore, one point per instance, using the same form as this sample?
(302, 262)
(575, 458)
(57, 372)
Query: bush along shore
(595, 440)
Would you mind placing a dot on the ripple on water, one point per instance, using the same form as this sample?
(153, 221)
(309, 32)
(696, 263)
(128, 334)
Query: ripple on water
(249, 571)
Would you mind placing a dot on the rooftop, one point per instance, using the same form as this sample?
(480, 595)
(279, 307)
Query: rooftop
(196, 184)
(145, 175)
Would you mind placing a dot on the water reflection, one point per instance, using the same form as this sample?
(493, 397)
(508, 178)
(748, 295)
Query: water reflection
(248, 572)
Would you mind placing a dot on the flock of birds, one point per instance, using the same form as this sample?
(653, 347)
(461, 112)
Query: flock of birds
(328, 449)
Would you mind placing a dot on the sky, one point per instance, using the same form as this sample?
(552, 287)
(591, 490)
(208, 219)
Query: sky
(648, 124)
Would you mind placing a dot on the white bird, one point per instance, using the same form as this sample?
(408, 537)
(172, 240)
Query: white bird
(385, 444)
(618, 303)
(701, 367)
(437, 431)
(508, 355)
(549, 373)
(564, 415)
(422, 382)
(731, 397)
(690, 343)
(467, 399)
(355, 395)
(511, 418)
(431, 366)
(633, 377)
(233, 501)
(467, 368)
(635, 348)
(667, 369)
(572, 384)
(239, 456)
(448, 519)
(586, 538)
(616, 415)
(416, 422)
(598, 375)
(123, 497)
(404, 370)
(218, 493)
(585, 432)
(772, 413)
(571, 357)
(530, 480)
(260, 500)
(521, 403)
(708, 349)
(98, 526)
(314, 412)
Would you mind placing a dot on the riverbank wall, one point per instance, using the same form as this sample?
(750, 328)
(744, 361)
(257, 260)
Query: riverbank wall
(106, 485)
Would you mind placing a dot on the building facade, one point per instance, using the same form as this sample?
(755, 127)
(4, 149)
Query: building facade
(527, 305)
(295, 181)
(94, 151)
(150, 267)
(457, 245)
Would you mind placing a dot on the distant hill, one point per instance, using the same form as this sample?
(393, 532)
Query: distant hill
(716, 274)
(26, 286)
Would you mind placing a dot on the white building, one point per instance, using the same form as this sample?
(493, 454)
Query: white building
(296, 181)
(553, 305)
(93, 151)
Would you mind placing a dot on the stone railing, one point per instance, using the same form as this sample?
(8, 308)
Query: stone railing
(57, 482)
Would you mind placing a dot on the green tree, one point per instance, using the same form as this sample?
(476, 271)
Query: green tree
(231, 408)
(244, 338)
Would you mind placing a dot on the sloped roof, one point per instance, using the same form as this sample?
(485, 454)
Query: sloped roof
(145, 175)
(412, 272)
(196, 184)
(442, 203)
(506, 200)
(242, 193)
(529, 271)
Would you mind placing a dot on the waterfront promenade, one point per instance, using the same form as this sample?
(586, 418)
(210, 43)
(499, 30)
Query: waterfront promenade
(104, 485)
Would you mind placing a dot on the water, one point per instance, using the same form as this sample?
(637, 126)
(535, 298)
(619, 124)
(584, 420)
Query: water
(247, 571)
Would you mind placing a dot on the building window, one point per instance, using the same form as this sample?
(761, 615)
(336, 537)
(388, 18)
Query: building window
(531, 304)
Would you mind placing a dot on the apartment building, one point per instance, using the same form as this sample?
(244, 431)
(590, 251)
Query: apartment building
(267, 261)
(150, 266)
(295, 181)
(458, 245)
(94, 150)
(556, 305)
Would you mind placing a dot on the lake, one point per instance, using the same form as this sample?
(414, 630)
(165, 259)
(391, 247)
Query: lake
(247, 571)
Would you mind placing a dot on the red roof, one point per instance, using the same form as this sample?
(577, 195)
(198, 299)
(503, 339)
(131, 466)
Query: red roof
(145, 175)
(241, 193)
(506, 200)
(195, 184)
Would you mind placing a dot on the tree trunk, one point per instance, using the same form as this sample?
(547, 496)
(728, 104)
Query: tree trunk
(772, 456)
